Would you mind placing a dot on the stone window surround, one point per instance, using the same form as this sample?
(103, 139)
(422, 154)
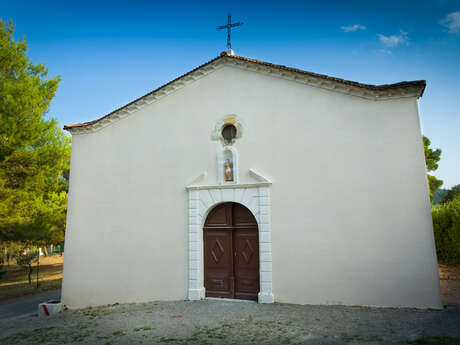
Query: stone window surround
(202, 199)
(233, 120)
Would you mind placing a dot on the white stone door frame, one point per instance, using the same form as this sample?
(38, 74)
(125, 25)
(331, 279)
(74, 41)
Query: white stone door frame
(202, 199)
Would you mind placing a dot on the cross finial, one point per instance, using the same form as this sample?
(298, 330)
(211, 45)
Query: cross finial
(229, 27)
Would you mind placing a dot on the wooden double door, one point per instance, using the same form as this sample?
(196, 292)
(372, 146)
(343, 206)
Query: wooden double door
(231, 253)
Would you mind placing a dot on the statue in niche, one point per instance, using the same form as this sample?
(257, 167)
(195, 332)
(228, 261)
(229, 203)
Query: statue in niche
(228, 170)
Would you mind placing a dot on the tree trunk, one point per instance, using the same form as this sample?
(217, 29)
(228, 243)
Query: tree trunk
(29, 274)
(7, 257)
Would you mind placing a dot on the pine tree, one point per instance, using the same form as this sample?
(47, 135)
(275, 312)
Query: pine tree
(432, 158)
(34, 151)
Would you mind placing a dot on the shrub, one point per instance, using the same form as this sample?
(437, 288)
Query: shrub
(25, 260)
(446, 225)
(451, 194)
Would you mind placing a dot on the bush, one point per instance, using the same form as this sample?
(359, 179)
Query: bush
(446, 225)
(451, 194)
(25, 260)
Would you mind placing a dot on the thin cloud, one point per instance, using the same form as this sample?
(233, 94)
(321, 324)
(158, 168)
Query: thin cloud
(394, 40)
(385, 51)
(353, 28)
(452, 22)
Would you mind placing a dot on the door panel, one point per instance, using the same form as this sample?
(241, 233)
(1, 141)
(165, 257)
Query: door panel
(231, 253)
(218, 263)
(242, 216)
(246, 264)
(220, 216)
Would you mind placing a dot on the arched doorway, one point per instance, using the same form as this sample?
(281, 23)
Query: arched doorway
(231, 252)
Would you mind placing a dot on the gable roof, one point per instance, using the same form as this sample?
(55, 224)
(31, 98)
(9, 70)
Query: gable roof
(374, 92)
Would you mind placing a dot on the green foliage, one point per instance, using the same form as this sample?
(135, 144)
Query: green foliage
(24, 260)
(11, 249)
(446, 225)
(433, 185)
(25, 94)
(438, 195)
(34, 151)
(451, 194)
(432, 158)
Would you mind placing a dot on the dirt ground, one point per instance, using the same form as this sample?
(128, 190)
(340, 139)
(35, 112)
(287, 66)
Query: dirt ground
(450, 284)
(15, 282)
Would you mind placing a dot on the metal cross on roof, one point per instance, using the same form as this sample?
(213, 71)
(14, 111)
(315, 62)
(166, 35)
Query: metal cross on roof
(229, 27)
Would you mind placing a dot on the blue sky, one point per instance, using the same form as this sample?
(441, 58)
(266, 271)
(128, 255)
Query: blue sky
(110, 52)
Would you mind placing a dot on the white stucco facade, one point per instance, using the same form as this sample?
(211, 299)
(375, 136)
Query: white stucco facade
(336, 181)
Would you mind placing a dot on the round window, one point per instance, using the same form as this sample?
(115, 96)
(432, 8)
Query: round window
(229, 133)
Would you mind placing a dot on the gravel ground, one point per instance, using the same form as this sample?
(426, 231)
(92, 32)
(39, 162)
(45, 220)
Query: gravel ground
(221, 322)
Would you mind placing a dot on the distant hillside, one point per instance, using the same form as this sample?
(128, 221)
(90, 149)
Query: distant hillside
(437, 197)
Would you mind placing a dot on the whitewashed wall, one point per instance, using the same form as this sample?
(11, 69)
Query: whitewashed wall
(350, 216)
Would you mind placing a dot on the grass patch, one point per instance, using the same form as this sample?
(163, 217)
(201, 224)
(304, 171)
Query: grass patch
(48, 335)
(35, 336)
(143, 329)
(247, 331)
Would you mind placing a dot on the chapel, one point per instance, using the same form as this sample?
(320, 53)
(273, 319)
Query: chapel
(248, 180)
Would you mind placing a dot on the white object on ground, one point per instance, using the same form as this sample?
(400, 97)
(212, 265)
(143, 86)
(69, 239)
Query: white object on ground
(49, 308)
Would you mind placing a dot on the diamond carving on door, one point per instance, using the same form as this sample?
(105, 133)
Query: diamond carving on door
(217, 251)
(247, 252)
(231, 253)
